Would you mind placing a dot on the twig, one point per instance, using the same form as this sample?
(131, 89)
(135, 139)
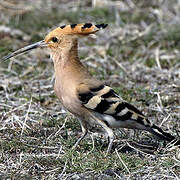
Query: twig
(12, 109)
(92, 144)
(122, 161)
(157, 58)
(40, 155)
(26, 117)
(174, 174)
(120, 65)
(59, 128)
(50, 171)
(164, 120)
(62, 126)
(60, 149)
(64, 169)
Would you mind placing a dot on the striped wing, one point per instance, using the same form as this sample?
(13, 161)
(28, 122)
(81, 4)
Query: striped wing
(104, 100)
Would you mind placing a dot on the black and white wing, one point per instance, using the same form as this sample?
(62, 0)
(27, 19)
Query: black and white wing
(104, 100)
(115, 112)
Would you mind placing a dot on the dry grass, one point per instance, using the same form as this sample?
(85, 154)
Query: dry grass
(138, 55)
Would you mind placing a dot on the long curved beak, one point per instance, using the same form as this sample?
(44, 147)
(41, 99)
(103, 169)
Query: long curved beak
(25, 49)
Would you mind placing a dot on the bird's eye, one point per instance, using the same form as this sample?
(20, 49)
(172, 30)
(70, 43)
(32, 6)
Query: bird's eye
(54, 39)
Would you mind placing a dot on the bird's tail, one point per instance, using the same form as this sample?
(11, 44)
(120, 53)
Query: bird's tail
(164, 135)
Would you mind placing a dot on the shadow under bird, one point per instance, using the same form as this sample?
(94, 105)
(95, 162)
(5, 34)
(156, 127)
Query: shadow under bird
(91, 101)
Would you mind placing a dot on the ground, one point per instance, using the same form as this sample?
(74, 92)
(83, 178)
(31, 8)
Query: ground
(137, 54)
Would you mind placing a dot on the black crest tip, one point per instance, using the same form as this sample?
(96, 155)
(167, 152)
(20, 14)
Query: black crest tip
(73, 25)
(62, 27)
(87, 25)
(101, 26)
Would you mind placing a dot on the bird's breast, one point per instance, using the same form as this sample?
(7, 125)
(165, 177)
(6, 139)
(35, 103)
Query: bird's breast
(68, 99)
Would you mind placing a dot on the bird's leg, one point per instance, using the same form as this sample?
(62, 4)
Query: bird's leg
(84, 132)
(110, 139)
(109, 131)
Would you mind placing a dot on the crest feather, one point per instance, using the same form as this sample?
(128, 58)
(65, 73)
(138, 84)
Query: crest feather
(83, 29)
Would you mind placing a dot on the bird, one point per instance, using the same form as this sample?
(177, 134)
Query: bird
(89, 99)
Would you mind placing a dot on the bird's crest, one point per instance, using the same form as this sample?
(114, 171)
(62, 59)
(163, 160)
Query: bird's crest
(83, 29)
(79, 29)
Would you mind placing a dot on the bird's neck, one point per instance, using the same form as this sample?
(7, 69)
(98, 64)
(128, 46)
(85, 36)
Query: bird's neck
(68, 68)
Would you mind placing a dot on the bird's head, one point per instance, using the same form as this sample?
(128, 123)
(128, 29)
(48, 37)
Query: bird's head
(61, 38)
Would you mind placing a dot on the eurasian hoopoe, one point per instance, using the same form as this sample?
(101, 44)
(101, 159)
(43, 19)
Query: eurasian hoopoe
(84, 96)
